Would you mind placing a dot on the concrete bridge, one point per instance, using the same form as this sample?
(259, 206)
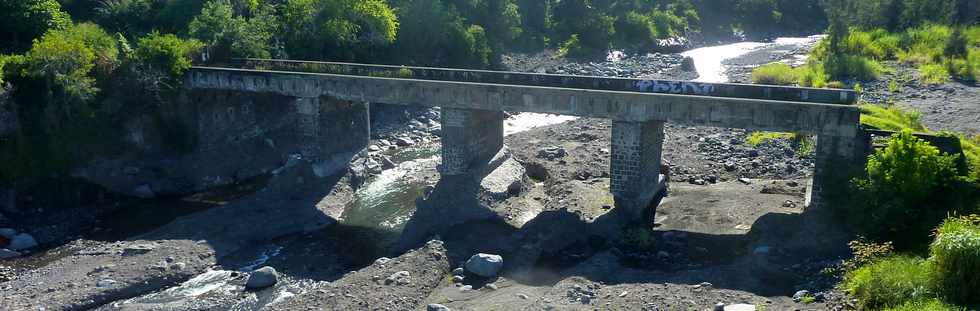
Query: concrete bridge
(473, 103)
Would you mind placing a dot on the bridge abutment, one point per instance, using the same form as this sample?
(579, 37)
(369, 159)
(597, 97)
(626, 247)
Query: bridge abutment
(470, 139)
(637, 148)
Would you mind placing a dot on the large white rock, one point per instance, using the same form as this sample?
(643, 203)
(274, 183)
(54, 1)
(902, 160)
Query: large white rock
(22, 241)
(504, 181)
(740, 307)
(485, 265)
(262, 278)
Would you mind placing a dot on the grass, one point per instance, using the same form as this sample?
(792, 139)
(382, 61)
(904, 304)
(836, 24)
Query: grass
(926, 305)
(956, 257)
(890, 282)
(934, 73)
(891, 118)
(757, 138)
(775, 74)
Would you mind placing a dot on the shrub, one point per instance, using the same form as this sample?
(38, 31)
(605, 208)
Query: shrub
(904, 181)
(775, 74)
(166, 53)
(890, 282)
(926, 305)
(67, 58)
(865, 253)
(934, 73)
(956, 256)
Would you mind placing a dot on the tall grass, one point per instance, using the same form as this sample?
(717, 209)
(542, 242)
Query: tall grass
(956, 257)
(890, 282)
(926, 305)
(775, 74)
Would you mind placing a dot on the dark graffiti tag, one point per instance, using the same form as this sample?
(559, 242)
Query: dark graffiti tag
(674, 87)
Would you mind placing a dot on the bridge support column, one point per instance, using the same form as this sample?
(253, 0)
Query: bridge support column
(326, 127)
(470, 139)
(637, 148)
(837, 160)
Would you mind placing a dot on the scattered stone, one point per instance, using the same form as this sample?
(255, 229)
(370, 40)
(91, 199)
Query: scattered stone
(138, 249)
(789, 204)
(552, 152)
(458, 271)
(400, 278)
(382, 261)
(404, 141)
(623, 294)
(22, 241)
(745, 181)
(485, 265)
(492, 286)
(387, 164)
(720, 307)
(178, 266)
(458, 279)
(6, 253)
(374, 148)
(262, 278)
(437, 307)
(522, 296)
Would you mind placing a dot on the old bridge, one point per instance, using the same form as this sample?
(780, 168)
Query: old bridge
(473, 103)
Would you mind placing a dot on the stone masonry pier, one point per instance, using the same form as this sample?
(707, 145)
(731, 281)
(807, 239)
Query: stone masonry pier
(472, 111)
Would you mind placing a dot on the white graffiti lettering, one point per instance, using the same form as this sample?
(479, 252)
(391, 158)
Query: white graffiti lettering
(674, 87)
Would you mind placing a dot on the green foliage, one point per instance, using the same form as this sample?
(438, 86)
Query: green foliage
(166, 53)
(926, 305)
(866, 253)
(434, 30)
(69, 61)
(338, 29)
(136, 18)
(587, 31)
(635, 30)
(890, 282)
(956, 256)
(22, 21)
(775, 74)
(903, 193)
(228, 35)
(891, 118)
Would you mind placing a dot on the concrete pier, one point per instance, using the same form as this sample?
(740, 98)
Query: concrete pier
(470, 138)
(637, 149)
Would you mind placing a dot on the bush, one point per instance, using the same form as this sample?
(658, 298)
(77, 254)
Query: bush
(167, 53)
(902, 197)
(775, 74)
(757, 138)
(956, 256)
(890, 282)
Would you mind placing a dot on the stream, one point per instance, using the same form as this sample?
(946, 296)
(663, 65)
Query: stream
(385, 202)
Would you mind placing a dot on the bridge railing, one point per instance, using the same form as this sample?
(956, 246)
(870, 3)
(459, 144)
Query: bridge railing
(732, 90)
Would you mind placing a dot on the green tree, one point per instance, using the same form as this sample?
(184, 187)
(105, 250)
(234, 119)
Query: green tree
(235, 36)
(166, 53)
(22, 21)
(338, 29)
(65, 60)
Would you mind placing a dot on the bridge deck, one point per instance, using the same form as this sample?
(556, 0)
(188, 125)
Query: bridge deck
(755, 114)
(732, 90)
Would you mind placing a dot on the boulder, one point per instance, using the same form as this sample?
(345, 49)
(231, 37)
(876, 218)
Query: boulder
(262, 278)
(437, 307)
(404, 141)
(688, 64)
(144, 191)
(8, 233)
(22, 241)
(400, 278)
(506, 180)
(799, 295)
(740, 307)
(485, 265)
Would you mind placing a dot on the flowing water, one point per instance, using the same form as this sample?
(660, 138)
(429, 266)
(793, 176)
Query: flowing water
(383, 204)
